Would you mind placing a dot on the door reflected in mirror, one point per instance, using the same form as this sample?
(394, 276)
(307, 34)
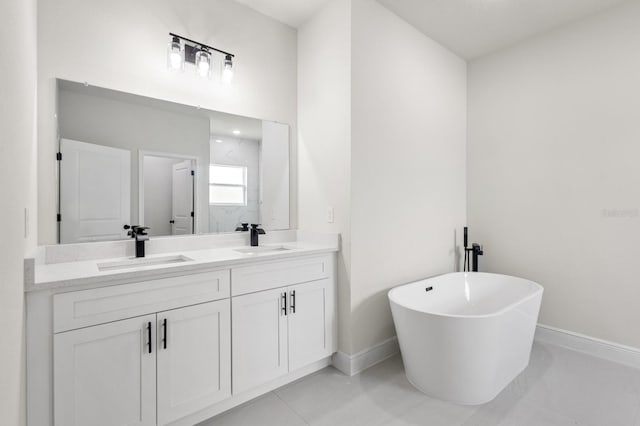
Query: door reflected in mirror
(132, 160)
(95, 191)
(168, 184)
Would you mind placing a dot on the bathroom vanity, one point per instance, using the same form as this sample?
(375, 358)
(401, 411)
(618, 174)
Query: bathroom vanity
(204, 322)
(175, 338)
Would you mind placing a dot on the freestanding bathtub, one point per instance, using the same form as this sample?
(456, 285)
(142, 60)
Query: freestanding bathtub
(465, 336)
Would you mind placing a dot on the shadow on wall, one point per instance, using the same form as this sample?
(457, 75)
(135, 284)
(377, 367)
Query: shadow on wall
(456, 251)
(344, 298)
(375, 306)
(372, 315)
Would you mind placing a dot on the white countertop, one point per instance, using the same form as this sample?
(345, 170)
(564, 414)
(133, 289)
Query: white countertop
(78, 274)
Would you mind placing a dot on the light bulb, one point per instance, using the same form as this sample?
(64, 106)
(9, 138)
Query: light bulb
(176, 60)
(227, 72)
(203, 68)
(175, 54)
(203, 62)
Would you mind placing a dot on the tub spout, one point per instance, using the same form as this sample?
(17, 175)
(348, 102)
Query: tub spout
(476, 250)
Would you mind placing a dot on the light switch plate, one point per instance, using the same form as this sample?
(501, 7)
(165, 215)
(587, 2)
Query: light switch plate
(330, 214)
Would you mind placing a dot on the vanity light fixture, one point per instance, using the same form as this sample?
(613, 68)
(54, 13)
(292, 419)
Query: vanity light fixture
(236, 132)
(203, 62)
(183, 50)
(175, 54)
(227, 72)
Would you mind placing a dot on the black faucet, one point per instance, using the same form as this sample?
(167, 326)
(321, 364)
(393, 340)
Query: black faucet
(476, 250)
(255, 231)
(140, 234)
(243, 228)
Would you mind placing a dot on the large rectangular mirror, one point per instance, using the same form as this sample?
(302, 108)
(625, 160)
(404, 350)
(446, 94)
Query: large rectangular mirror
(130, 160)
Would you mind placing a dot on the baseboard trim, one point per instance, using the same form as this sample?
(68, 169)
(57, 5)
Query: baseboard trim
(356, 363)
(589, 345)
(627, 355)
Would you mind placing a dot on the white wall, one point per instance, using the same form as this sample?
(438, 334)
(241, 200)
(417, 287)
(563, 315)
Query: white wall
(134, 126)
(17, 150)
(553, 170)
(382, 118)
(121, 45)
(324, 120)
(408, 163)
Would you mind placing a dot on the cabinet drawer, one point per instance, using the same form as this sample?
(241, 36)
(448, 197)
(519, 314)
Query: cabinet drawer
(250, 279)
(96, 306)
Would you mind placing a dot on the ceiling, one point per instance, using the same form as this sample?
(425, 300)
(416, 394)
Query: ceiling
(290, 12)
(474, 28)
(470, 28)
(223, 125)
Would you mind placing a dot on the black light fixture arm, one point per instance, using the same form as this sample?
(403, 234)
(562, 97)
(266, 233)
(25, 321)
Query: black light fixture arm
(202, 45)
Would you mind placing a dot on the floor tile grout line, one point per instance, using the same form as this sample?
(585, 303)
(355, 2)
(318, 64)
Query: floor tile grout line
(291, 408)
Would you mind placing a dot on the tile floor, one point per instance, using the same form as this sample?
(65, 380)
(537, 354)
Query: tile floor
(560, 387)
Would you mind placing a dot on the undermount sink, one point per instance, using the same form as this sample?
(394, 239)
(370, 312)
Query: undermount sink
(137, 263)
(261, 249)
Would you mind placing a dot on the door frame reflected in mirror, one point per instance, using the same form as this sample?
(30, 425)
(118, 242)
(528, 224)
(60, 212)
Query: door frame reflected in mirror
(197, 167)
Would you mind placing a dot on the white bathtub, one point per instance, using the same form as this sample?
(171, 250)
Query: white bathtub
(465, 336)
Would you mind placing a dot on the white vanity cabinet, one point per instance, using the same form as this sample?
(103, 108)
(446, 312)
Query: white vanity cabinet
(259, 338)
(167, 364)
(280, 330)
(105, 375)
(193, 359)
(311, 322)
(111, 374)
(178, 348)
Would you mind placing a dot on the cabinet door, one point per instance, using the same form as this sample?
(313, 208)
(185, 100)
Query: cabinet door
(311, 322)
(105, 375)
(259, 338)
(194, 359)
